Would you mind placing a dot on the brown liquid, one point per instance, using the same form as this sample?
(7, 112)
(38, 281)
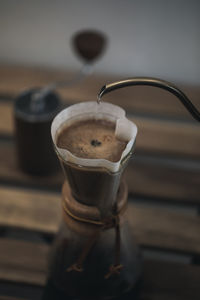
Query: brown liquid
(92, 139)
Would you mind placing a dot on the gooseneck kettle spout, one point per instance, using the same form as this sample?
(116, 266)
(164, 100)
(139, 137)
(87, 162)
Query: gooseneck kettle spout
(148, 81)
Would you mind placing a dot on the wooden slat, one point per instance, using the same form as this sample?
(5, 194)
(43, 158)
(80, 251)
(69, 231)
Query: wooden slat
(170, 281)
(25, 262)
(162, 181)
(10, 298)
(154, 227)
(33, 210)
(173, 138)
(141, 99)
(10, 172)
(167, 137)
(144, 177)
(6, 123)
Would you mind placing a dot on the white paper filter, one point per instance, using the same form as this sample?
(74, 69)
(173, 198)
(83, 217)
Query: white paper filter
(125, 130)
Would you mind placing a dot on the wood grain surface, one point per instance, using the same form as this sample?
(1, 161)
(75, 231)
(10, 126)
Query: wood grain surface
(146, 177)
(162, 136)
(153, 227)
(23, 262)
(26, 262)
(14, 79)
(163, 177)
(10, 298)
(170, 281)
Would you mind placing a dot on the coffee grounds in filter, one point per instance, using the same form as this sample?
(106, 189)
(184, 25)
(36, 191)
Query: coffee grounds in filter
(93, 139)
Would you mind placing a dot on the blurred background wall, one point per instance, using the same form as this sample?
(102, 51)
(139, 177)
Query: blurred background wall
(146, 37)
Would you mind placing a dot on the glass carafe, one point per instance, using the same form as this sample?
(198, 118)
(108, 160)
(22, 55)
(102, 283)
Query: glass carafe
(94, 254)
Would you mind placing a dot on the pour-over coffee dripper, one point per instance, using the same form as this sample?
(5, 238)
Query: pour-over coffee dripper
(94, 254)
(94, 181)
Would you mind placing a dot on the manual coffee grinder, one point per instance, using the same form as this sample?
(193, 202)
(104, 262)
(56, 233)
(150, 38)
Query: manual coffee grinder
(35, 108)
(94, 255)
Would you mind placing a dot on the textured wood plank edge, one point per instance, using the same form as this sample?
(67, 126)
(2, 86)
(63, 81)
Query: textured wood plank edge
(145, 178)
(25, 262)
(6, 113)
(11, 298)
(171, 138)
(148, 179)
(10, 172)
(167, 137)
(14, 79)
(154, 227)
(31, 210)
(164, 281)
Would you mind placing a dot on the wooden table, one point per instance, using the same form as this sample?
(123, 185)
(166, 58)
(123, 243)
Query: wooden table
(163, 179)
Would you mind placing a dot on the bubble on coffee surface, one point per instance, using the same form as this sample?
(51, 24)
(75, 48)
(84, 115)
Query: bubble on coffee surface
(95, 143)
(91, 139)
